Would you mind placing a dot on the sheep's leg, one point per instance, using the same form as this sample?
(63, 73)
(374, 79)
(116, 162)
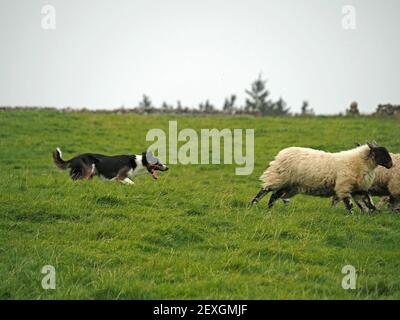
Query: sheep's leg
(343, 189)
(348, 204)
(394, 203)
(368, 201)
(335, 201)
(275, 196)
(391, 202)
(289, 193)
(359, 200)
(263, 192)
(384, 202)
(360, 206)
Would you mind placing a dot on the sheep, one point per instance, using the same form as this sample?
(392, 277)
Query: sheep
(313, 172)
(387, 185)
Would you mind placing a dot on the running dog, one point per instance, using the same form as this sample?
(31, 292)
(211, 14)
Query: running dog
(121, 168)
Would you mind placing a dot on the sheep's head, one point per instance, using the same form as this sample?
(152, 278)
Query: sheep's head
(380, 155)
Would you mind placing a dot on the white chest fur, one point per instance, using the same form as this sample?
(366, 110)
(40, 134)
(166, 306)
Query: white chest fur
(367, 180)
(139, 170)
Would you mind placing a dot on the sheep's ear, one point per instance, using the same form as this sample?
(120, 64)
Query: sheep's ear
(370, 145)
(358, 144)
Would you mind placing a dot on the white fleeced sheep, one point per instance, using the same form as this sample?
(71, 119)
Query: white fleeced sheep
(318, 173)
(387, 184)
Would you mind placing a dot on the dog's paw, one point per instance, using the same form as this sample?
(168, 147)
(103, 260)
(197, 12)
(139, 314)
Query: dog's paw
(127, 181)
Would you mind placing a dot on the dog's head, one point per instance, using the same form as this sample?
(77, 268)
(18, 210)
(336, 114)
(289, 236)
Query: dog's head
(152, 164)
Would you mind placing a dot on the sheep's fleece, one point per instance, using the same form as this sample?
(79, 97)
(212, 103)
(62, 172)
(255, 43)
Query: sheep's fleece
(314, 172)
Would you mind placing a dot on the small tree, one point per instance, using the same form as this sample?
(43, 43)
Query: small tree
(179, 105)
(353, 110)
(229, 104)
(146, 103)
(279, 108)
(206, 106)
(166, 107)
(306, 110)
(258, 97)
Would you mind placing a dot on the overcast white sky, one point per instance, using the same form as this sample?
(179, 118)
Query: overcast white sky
(104, 54)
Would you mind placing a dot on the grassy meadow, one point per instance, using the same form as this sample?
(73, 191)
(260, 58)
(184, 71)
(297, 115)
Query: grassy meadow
(189, 235)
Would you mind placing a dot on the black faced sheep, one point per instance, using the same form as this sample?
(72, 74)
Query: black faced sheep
(318, 173)
(387, 184)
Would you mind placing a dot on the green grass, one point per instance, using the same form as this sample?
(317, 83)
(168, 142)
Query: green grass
(189, 235)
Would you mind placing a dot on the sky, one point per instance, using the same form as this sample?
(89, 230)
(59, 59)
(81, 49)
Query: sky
(106, 54)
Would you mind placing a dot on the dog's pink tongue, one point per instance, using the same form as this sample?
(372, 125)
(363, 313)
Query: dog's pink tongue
(154, 174)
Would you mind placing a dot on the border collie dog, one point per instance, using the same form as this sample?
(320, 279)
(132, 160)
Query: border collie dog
(121, 168)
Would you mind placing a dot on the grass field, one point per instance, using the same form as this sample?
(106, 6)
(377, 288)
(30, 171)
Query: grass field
(190, 234)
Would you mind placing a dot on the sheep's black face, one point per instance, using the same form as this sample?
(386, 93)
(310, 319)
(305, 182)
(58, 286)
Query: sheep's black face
(382, 157)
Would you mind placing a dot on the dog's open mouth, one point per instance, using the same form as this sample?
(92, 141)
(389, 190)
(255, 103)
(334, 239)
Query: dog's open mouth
(154, 174)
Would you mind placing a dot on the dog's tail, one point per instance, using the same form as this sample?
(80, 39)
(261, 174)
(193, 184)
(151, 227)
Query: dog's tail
(58, 161)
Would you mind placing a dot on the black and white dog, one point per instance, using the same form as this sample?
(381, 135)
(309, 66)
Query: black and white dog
(121, 168)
